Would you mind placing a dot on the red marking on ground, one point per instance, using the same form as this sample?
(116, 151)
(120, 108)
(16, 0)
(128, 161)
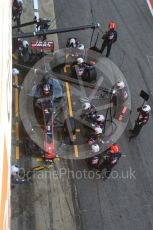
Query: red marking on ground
(151, 2)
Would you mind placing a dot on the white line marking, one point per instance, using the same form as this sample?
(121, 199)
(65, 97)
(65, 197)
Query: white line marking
(37, 15)
(150, 61)
(150, 6)
(35, 4)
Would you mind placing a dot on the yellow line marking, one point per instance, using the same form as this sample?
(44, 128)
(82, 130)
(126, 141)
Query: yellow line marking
(17, 152)
(65, 69)
(57, 159)
(16, 98)
(69, 99)
(15, 57)
(17, 131)
(17, 139)
(76, 151)
(77, 130)
(71, 114)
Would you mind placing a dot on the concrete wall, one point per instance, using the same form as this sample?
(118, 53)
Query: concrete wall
(5, 111)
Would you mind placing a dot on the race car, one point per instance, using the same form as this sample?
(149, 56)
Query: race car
(48, 130)
(46, 98)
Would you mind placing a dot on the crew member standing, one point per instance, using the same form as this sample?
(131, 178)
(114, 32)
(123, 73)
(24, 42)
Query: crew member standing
(80, 67)
(119, 93)
(72, 43)
(119, 96)
(110, 159)
(17, 10)
(88, 111)
(109, 38)
(43, 25)
(142, 120)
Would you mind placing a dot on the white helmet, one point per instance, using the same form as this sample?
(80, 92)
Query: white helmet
(98, 130)
(15, 72)
(120, 84)
(25, 44)
(95, 148)
(100, 118)
(86, 106)
(48, 128)
(46, 89)
(81, 47)
(72, 42)
(146, 108)
(80, 60)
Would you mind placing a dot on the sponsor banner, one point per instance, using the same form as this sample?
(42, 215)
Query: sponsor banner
(42, 45)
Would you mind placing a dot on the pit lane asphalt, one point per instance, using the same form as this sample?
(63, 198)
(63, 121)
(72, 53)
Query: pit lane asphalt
(121, 203)
(33, 205)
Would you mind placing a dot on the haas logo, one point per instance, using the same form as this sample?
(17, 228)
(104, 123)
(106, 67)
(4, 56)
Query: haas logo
(39, 45)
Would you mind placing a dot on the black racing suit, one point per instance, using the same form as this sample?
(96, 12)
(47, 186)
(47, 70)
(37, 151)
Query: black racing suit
(80, 68)
(43, 25)
(119, 96)
(110, 161)
(89, 113)
(17, 10)
(68, 44)
(142, 120)
(96, 122)
(109, 38)
(23, 52)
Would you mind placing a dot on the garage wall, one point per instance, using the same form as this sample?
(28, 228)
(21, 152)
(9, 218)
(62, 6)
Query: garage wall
(5, 111)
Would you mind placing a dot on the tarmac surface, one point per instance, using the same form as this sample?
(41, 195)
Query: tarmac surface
(119, 203)
(46, 201)
(73, 200)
